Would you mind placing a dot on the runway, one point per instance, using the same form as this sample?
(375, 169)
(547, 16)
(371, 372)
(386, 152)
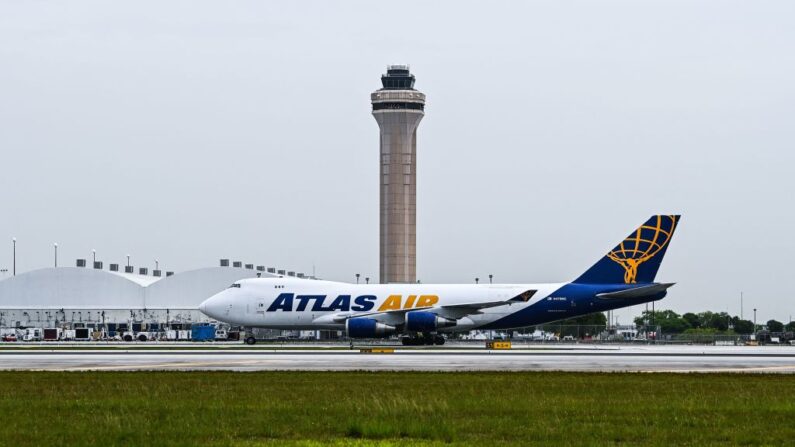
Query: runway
(557, 358)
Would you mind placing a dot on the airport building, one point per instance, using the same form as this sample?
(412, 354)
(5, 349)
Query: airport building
(398, 108)
(114, 300)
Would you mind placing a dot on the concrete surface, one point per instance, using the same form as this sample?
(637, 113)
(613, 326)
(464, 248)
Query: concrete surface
(546, 358)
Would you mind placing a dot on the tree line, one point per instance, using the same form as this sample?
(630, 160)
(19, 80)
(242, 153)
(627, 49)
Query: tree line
(706, 322)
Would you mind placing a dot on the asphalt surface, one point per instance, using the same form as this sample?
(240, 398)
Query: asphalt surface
(607, 358)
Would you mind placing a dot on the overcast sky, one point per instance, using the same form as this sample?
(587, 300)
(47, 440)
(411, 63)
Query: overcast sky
(191, 131)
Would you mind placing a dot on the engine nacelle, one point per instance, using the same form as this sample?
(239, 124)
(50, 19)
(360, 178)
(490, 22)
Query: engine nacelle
(426, 322)
(367, 328)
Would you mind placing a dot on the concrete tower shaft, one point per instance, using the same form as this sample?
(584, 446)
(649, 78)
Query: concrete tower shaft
(398, 109)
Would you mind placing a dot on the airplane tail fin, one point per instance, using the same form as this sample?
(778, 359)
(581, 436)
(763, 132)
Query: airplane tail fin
(637, 258)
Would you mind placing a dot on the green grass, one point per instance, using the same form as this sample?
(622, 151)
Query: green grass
(394, 409)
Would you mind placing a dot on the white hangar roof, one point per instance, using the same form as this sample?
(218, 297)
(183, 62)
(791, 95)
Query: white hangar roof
(85, 288)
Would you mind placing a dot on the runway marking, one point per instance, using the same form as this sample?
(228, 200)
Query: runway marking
(153, 365)
(718, 370)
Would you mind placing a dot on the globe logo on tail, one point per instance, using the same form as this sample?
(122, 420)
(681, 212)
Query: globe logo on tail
(642, 245)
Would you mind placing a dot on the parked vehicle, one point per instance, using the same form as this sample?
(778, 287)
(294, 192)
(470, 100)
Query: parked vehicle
(52, 334)
(203, 333)
(82, 334)
(9, 337)
(33, 334)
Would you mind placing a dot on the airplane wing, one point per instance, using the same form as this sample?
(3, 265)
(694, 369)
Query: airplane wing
(452, 311)
(456, 311)
(384, 316)
(637, 292)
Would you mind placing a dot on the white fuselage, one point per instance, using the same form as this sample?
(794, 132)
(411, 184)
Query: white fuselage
(292, 303)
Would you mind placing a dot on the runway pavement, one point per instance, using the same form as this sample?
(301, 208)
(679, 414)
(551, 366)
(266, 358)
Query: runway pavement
(604, 358)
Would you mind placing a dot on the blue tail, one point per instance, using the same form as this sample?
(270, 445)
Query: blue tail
(637, 258)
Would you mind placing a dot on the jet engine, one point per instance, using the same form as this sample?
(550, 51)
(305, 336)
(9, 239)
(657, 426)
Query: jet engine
(367, 328)
(426, 322)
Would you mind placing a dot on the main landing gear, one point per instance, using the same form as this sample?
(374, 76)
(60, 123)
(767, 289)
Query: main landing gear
(249, 338)
(423, 339)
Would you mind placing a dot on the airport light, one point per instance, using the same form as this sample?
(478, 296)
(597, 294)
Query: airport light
(128, 260)
(367, 280)
(157, 264)
(55, 246)
(491, 277)
(14, 240)
(93, 256)
(357, 278)
(476, 280)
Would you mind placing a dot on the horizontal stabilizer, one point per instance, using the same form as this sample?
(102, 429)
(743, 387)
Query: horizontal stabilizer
(636, 292)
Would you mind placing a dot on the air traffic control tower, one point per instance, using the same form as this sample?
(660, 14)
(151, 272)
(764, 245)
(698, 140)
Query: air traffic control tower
(398, 109)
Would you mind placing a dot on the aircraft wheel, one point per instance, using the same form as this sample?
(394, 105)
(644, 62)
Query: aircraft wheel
(438, 340)
(250, 340)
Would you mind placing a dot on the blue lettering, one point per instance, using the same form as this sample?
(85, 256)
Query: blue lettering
(342, 302)
(364, 303)
(318, 306)
(303, 300)
(282, 302)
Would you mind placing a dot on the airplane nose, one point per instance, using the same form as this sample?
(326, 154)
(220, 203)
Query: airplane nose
(207, 306)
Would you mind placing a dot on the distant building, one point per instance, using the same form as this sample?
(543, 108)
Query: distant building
(398, 108)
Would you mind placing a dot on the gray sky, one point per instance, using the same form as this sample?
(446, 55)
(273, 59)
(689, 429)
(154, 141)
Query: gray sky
(190, 131)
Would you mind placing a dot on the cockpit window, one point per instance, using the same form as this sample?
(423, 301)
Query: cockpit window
(235, 285)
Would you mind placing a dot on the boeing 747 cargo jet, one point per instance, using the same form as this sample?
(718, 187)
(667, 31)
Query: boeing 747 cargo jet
(423, 312)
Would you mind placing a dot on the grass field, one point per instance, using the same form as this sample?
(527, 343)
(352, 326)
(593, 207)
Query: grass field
(307, 408)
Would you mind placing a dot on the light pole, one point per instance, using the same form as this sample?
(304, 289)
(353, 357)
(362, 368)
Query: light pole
(490, 277)
(157, 264)
(55, 246)
(754, 321)
(476, 280)
(741, 305)
(367, 280)
(14, 240)
(357, 278)
(128, 260)
(93, 256)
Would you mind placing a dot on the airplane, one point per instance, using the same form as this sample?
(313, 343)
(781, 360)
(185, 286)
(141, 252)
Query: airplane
(423, 313)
